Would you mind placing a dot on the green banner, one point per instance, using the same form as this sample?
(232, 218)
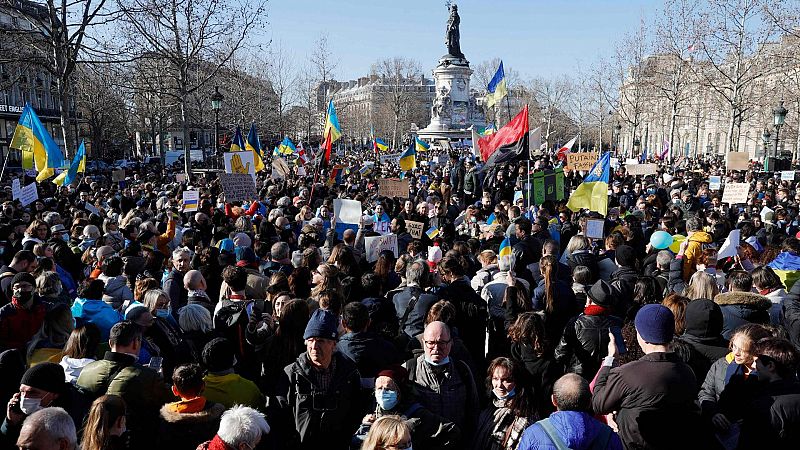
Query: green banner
(538, 188)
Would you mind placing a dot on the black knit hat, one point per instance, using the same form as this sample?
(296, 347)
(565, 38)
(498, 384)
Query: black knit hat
(46, 376)
(23, 277)
(625, 256)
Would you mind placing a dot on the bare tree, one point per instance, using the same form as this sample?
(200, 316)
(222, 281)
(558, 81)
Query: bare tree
(628, 71)
(281, 73)
(105, 106)
(551, 96)
(181, 34)
(401, 80)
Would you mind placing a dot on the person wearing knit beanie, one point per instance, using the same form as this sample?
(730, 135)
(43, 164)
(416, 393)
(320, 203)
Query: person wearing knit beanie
(655, 324)
(40, 387)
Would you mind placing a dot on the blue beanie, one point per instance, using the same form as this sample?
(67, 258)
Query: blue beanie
(323, 324)
(655, 324)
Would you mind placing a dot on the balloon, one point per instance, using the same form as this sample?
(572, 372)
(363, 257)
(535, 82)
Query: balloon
(676, 243)
(661, 240)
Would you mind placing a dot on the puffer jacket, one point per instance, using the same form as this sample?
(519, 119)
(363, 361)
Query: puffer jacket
(691, 256)
(739, 308)
(116, 292)
(584, 343)
(576, 429)
(184, 431)
(722, 373)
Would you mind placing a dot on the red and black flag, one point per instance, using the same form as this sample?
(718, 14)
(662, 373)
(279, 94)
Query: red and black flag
(508, 143)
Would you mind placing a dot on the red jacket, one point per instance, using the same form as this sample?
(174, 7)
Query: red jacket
(18, 325)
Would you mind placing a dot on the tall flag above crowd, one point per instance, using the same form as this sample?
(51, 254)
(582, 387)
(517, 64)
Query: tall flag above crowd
(77, 166)
(254, 145)
(509, 143)
(333, 131)
(421, 146)
(592, 194)
(562, 152)
(497, 87)
(408, 159)
(36, 145)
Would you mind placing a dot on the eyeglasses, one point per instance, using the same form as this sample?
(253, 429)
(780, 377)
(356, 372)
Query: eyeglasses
(442, 343)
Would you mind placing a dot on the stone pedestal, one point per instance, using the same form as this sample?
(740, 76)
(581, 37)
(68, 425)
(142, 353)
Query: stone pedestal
(454, 110)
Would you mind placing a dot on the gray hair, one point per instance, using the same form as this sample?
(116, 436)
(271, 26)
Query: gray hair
(53, 421)
(572, 393)
(181, 251)
(242, 424)
(417, 272)
(52, 218)
(194, 317)
(48, 284)
(663, 259)
(150, 298)
(279, 251)
(91, 232)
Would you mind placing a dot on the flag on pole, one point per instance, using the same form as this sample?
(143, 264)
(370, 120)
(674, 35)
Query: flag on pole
(254, 145)
(421, 145)
(592, 194)
(508, 144)
(237, 144)
(332, 127)
(497, 87)
(66, 177)
(561, 154)
(287, 147)
(665, 150)
(408, 159)
(36, 144)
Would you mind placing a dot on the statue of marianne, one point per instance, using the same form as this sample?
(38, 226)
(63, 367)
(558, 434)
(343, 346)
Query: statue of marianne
(453, 36)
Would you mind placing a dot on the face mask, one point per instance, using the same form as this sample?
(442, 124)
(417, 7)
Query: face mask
(23, 297)
(509, 394)
(387, 399)
(163, 313)
(29, 405)
(443, 362)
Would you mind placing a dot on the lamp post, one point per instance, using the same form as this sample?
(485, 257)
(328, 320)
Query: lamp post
(216, 103)
(618, 128)
(779, 117)
(765, 139)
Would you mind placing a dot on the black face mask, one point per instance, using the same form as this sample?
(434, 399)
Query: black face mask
(23, 297)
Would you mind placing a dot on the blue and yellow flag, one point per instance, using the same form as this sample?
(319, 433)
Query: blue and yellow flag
(421, 145)
(254, 145)
(505, 251)
(237, 144)
(497, 87)
(408, 159)
(332, 124)
(287, 147)
(78, 165)
(592, 194)
(36, 145)
(380, 145)
(486, 131)
(432, 232)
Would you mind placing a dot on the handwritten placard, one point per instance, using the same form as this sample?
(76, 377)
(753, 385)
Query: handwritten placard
(738, 160)
(16, 189)
(347, 211)
(392, 187)
(280, 170)
(414, 229)
(118, 175)
(191, 200)
(239, 162)
(28, 194)
(714, 183)
(642, 169)
(594, 228)
(375, 245)
(735, 193)
(582, 161)
(787, 175)
(238, 187)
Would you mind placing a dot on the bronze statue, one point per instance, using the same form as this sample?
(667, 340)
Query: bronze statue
(453, 36)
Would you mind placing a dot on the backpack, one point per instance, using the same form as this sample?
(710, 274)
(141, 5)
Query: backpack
(232, 313)
(598, 443)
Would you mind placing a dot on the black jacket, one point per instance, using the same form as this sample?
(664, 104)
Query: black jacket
(541, 373)
(472, 316)
(703, 336)
(772, 419)
(624, 281)
(527, 251)
(415, 322)
(585, 343)
(369, 351)
(791, 314)
(587, 259)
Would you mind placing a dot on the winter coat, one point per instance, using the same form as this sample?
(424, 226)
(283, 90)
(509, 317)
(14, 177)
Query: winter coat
(18, 324)
(649, 393)
(499, 427)
(697, 241)
(772, 419)
(527, 251)
(371, 352)
(494, 292)
(564, 307)
(484, 276)
(624, 281)
(202, 300)
(168, 337)
(415, 322)
(73, 367)
(471, 316)
(428, 431)
(256, 286)
(723, 390)
(739, 308)
(177, 293)
(541, 373)
(232, 389)
(576, 429)
(184, 431)
(703, 337)
(322, 419)
(66, 258)
(791, 314)
(584, 343)
(116, 292)
(587, 259)
(97, 312)
(606, 268)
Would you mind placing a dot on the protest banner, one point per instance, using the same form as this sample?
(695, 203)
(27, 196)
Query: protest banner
(390, 157)
(735, 193)
(582, 161)
(375, 245)
(382, 228)
(240, 162)
(414, 229)
(787, 175)
(118, 175)
(16, 190)
(392, 187)
(238, 187)
(28, 194)
(714, 183)
(594, 228)
(191, 200)
(347, 211)
(280, 170)
(738, 161)
(641, 169)
(180, 177)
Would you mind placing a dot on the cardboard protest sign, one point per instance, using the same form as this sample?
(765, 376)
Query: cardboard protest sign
(738, 161)
(641, 169)
(191, 200)
(240, 162)
(594, 228)
(347, 211)
(280, 170)
(28, 194)
(392, 187)
(714, 183)
(735, 193)
(118, 175)
(238, 187)
(787, 175)
(582, 161)
(414, 229)
(375, 245)
(382, 228)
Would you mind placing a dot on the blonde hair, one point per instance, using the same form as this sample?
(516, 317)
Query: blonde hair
(487, 257)
(150, 298)
(577, 243)
(385, 432)
(105, 412)
(701, 285)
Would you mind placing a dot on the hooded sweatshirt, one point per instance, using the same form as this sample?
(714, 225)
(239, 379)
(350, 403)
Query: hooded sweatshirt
(704, 335)
(693, 251)
(97, 312)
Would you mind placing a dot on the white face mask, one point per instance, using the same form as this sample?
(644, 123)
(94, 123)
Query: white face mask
(29, 405)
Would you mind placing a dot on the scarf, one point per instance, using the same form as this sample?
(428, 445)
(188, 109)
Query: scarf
(596, 310)
(507, 427)
(217, 444)
(199, 294)
(193, 405)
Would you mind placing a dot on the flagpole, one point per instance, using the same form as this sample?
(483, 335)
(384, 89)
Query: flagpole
(508, 108)
(5, 162)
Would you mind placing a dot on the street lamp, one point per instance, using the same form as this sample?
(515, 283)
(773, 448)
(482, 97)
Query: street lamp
(618, 128)
(779, 117)
(765, 139)
(216, 103)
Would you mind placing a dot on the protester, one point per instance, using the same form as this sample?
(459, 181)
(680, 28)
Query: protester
(106, 424)
(48, 429)
(240, 428)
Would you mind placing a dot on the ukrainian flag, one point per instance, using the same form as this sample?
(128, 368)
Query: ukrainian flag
(254, 145)
(505, 250)
(497, 87)
(408, 159)
(237, 144)
(36, 144)
(332, 126)
(421, 145)
(381, 145)
(486, 131)
(287, 147)
(592, 194)
(78, 165)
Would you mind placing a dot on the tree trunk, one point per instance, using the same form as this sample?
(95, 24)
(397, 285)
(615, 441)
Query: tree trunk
(66, 129)
(187, 160)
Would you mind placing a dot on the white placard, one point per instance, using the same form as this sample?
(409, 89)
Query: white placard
(238, 188)
(28, 194)
(191, 200)
(414, 229)
(347, 211)
(787, 175)
(375, 245)
(180, 177)
(714, 183)
(728, 248)
(594, 228)
(15, 188)
(383, 228)
(301, 171)
(735, 193)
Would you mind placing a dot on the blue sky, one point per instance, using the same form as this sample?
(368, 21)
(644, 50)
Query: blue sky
(533, 37)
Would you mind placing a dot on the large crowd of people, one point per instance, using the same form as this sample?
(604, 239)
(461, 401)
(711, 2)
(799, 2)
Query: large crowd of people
(127, 322)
